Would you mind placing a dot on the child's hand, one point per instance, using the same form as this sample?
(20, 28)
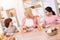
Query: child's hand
(11, 34)
(7, 35)
(35, 26)
(46, 26)
(43, 26)
(15, 31)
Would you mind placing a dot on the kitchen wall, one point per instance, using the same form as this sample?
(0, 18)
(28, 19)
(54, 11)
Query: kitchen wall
(18, 5)
(50, 3)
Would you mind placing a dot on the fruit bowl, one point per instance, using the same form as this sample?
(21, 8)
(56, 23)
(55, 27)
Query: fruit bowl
(51, 32)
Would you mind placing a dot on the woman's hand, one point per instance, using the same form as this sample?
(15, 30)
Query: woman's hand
(35, 26)
(44, 26)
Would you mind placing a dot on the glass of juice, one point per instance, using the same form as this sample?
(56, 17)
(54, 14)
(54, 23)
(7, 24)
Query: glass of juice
(21, 30)
(39, 27)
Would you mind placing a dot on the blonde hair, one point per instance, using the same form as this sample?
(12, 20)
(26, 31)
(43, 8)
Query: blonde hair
(29, 12)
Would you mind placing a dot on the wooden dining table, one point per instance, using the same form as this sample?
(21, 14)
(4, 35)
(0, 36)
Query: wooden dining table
(35, 34)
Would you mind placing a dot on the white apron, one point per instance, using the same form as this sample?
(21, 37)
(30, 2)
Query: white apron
(29, 23)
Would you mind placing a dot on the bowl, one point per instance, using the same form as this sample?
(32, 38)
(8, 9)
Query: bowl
(53, 32)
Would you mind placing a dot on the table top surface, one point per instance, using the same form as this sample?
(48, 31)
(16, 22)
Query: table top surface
(37, 35)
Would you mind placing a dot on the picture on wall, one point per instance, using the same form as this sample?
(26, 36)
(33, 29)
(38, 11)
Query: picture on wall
(11, 12)
(13, 15)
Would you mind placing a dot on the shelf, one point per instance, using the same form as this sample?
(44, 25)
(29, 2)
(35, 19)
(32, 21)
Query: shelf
(30, 3)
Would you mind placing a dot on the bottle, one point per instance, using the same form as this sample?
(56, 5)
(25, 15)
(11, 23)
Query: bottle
(39, 27)
(2, 36)
(59, 27)
(21, 30)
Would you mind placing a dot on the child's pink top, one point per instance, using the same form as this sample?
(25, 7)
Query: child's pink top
(51, 19)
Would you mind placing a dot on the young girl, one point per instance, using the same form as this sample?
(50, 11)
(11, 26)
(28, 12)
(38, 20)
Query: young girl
(29, 21)
(10, 28)
(50, 17)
